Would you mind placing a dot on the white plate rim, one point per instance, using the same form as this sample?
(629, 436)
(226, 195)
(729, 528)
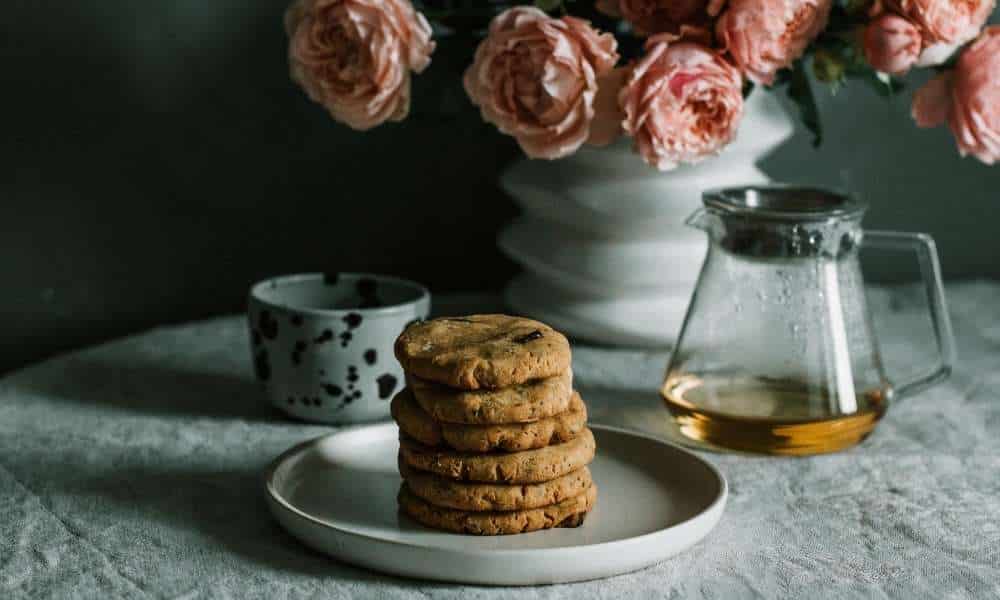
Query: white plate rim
(716, 506)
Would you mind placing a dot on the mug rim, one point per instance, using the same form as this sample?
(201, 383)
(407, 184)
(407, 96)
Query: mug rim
(423, 294)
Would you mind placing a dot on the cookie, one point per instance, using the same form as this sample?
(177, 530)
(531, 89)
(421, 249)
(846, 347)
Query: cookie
(512, 437)
(570, 512)
(447, 493)
(530, 466)
(482, 351)
(521, 403)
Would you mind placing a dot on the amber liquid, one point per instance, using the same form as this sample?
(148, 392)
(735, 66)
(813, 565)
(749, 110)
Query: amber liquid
(771, 416)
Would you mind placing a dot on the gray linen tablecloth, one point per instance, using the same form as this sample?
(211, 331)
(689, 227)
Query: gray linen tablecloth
(134, 470)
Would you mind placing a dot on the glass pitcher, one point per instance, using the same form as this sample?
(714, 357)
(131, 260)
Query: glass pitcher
(777, 353)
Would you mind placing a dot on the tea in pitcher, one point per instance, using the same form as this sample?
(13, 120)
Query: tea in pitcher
(770, 416)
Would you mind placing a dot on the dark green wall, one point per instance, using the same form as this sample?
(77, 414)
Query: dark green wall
(156, 160)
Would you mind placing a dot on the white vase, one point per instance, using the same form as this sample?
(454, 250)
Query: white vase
(602, 240)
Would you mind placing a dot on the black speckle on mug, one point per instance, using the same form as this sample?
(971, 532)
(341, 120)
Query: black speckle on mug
(350, 386)
(353, 320)
(297, 320)
(332, 390)
(386, 385)
(371, 356)
(356, 394)
(317, 401)
(324, 337)
(262, 366)
(345, 338)
(267, 324)
(352, 376)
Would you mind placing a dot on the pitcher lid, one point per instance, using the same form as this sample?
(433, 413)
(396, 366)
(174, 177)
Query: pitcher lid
(783, 202)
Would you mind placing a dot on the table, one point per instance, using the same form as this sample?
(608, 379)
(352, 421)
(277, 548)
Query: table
(133, 469)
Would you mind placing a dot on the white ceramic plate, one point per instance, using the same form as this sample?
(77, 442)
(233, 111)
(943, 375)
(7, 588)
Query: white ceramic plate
(337, 494)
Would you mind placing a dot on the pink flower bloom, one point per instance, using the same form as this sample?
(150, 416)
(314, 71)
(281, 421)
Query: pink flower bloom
(536, 78)
(946, 22)
(657, 16)
(968, 98)
(355, 56)
(682, 102)
(975, 115)
(607, 124)
(764, 36)
(891, 44)
(932, 102)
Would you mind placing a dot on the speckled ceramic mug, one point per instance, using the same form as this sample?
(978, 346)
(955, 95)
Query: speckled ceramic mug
(322, 344)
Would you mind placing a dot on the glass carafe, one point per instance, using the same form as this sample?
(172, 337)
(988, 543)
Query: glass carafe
(777, 353)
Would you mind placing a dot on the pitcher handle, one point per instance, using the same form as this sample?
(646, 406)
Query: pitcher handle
(930, 270)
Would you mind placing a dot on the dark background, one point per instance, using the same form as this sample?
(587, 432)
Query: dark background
(156, 160)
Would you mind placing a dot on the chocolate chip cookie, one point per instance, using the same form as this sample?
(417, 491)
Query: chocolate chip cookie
(570, 512)
(482, 351)
(511, 437)
(529, 466)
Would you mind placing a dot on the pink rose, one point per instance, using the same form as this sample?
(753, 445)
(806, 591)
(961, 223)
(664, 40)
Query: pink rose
(932, 102)
(969, 99)
(947, 22)
(764, 36)
(682, 102)
(891, 44)
(536, 78)
(355, 56)
(657, 16)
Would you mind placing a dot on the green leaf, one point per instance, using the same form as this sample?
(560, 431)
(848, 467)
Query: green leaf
(801, 93)
(548, 5)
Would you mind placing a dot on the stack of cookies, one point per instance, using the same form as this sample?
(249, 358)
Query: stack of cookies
(493, 438)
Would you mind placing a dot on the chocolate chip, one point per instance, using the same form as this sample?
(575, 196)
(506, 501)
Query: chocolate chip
(528, 337)
(386, 385)
(371, 356)
(332, 390)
